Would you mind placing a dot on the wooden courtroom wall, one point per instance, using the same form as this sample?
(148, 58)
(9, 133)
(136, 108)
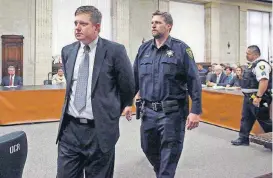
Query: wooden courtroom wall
(12, 53)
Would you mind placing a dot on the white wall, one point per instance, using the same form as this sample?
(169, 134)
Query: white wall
(189, 26)
(63, 21)
(17, 18)
(258, 32)
(229, 33)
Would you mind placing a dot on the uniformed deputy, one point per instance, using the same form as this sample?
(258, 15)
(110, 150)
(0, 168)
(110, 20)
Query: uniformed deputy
(256, 86)
(165, 72)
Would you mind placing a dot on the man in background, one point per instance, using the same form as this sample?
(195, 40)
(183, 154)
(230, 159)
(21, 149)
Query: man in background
(256, 86)
(219, 78)
(12, 79)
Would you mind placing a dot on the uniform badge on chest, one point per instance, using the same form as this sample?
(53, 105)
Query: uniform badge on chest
(170, 53)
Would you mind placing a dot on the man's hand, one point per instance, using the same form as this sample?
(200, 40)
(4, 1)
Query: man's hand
(192, 121)
(211, 84)
(256, 102)
(128, 113)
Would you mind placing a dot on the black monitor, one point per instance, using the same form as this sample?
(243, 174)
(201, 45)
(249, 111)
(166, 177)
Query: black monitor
(13, 154)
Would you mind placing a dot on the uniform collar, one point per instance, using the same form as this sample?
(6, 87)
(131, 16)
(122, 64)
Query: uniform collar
(259, 58)
(166, 43)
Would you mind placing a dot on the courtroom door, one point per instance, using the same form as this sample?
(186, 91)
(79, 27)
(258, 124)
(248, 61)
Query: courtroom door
(12, 54)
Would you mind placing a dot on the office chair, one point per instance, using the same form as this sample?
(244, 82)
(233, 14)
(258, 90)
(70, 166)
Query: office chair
(13, 154)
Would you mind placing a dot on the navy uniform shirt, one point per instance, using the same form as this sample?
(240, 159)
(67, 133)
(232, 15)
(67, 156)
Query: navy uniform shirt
(167, 73)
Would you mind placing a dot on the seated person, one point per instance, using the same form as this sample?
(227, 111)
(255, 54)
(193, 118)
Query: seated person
(229, 73)
(209, 74)
(201, 69)
(12, 79)
(218, 78)
(59, 77)
(236, 80)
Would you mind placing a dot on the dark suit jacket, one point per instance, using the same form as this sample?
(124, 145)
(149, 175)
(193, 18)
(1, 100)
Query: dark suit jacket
(235, 82)
(112, 88)
(223, 79)
(18, 81)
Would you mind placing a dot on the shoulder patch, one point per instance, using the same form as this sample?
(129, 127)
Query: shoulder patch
(189, 52)
(262, 67)
(263, 73)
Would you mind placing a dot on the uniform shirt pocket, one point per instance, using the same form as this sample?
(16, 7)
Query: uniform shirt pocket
(145, 66)
(169, 66)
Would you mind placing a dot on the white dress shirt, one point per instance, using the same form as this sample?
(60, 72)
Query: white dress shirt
(218, 78)
(87, 111)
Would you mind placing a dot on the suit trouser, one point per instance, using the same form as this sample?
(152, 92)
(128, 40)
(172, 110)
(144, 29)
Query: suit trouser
(249, 115)
(79, 153)
(162, 139)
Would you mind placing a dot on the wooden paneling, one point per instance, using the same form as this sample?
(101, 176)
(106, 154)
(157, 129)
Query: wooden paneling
(12, 53)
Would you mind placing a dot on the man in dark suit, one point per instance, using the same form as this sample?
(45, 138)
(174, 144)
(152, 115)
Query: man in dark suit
(219, 78)
(11, 79)
(100, 84)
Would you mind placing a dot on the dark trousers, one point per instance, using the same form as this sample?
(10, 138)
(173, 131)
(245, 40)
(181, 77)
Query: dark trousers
(249, 115)
(79, 153)
(162, 139)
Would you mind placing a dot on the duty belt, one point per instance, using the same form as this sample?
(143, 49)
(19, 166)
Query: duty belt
(156, 106)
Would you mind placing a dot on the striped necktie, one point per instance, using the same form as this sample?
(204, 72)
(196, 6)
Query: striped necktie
(82, 81)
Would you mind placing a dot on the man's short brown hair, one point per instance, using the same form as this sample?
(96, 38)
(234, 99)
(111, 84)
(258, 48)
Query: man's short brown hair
(166, 15)
(95, 14)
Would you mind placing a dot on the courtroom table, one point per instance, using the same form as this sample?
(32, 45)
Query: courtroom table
(223, 107)
(30, 104)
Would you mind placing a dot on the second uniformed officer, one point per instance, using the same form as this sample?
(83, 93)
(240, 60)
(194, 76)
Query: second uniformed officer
(165, 72)
(256, 86)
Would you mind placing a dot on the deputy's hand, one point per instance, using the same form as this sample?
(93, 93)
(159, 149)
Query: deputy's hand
(192, 121)
(128, 113)
(256, 102)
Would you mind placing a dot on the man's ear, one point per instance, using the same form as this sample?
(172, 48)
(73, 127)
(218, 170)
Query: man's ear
(170, 27)
(98, 27)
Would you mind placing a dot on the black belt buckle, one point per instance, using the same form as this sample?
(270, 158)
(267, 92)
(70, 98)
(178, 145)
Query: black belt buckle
(154, 106)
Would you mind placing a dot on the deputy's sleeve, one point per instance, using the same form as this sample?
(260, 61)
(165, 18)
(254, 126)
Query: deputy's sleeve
(193, 81)
(262, 70)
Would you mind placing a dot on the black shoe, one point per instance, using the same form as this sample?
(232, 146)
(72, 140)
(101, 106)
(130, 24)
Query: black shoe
(240, 141)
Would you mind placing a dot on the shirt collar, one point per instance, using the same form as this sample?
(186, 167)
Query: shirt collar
(92, 44)
(259, 58)
(166, 43)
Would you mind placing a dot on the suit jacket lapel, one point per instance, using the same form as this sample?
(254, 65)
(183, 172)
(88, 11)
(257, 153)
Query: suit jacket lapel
(99, 57)
(70, 63)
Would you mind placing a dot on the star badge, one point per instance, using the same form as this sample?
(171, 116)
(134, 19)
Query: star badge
(170, 53)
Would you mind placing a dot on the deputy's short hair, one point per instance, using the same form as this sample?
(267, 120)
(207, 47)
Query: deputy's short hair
(166, 15)
(255, 49)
